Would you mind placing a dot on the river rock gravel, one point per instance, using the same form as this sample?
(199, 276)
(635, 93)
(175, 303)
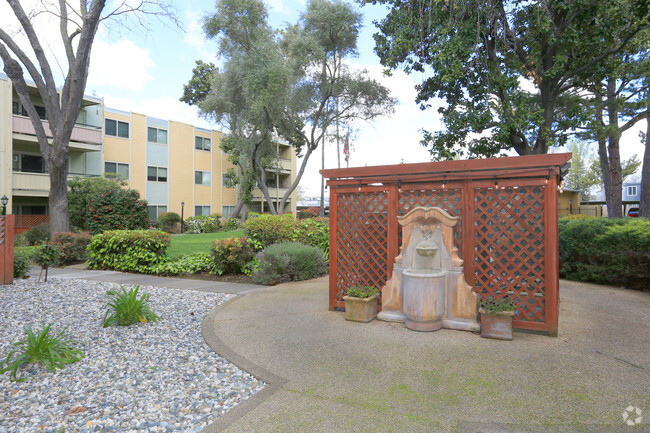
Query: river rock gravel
(148, 377)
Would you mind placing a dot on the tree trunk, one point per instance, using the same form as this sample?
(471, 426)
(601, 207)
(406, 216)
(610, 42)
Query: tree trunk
(59, 216)
(644, 205)
(296, 181)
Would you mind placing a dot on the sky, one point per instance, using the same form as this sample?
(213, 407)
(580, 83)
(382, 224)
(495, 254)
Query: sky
(144, 72)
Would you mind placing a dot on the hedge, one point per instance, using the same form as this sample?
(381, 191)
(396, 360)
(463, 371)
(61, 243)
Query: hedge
(128, 250)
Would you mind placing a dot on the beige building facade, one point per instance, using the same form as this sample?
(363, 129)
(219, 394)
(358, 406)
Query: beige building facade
(176, 167)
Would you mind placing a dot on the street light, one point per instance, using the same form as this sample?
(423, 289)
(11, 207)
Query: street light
(182, 209)
(571, 207)
(4, 200)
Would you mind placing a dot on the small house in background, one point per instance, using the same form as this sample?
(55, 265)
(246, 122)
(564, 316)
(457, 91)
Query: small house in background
(630, 195)
(569, 202)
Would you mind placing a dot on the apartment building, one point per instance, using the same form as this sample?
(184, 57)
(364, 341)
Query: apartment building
(176, 167)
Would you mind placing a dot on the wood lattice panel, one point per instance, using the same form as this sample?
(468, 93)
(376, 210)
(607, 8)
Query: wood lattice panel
(362, 240)
(448, 199)
(509, 249)
(2, 230)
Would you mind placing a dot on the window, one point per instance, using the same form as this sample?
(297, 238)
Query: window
(116, 128)
(631, 191)
(201, 210)
(202, 177)
(118, 168)
(28, 163)
(155, 211)
(226, 211)
(202, 143)
(157, 174)
(18, 109)
(155, 135)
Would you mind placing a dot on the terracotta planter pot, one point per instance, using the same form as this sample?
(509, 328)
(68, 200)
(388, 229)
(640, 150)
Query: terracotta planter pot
(360, 309)
(496, 325)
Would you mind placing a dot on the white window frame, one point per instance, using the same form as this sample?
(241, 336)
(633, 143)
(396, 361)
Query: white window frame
(204, 181)
(117, 165)
(157, 141)
(117, 128)
(203, 207)
(158, 174)
(202, 146)
(632, 190)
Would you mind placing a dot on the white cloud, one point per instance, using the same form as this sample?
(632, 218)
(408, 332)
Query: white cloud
(122, 65)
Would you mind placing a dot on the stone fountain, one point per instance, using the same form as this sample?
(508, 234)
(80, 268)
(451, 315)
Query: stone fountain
(427, 290)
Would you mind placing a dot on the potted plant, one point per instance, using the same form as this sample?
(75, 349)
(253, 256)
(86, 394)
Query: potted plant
(361, 303)
(496, 318)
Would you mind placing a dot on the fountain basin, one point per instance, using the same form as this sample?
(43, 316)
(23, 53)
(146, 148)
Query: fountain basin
(424, 298)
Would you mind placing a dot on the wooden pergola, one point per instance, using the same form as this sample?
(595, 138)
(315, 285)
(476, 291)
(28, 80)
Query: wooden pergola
(507, 235)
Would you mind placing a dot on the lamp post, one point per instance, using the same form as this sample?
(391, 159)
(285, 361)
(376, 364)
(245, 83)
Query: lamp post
(4, 200)
(571, 207)
(182, 209)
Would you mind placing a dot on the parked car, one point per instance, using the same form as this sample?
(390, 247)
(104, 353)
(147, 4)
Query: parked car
(633, 212)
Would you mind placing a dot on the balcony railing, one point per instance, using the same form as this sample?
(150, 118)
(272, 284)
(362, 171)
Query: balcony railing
(80, 133)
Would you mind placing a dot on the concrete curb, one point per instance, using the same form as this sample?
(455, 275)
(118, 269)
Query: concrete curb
(273, 382)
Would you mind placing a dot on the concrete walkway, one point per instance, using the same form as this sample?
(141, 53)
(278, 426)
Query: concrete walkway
(325, 374)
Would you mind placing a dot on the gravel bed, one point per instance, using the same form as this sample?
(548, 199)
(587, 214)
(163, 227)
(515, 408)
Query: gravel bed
(153, 377)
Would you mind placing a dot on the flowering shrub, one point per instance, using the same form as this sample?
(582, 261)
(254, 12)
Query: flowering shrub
(128, 250)
(169, 221)
(202, 224)
(230, 224)
(310, 212)
(71, 247)
(269, 229)
(231, 254)
(117, 210)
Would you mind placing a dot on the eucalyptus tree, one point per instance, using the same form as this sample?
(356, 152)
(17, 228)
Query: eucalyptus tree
(510, 72)
(285, 84)
(77, 29)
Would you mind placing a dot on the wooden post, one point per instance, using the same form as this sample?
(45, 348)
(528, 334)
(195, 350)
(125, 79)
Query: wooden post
(392, 236)
(333, 245)
(7, 223)
(551, 254)
(467, 213)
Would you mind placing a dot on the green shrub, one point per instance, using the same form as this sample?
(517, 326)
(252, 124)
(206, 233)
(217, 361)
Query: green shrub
(310, 212)
(38, 235)
(82, 190)
(117, 210)
(362, 292)
(128, 250)
(55, 351)
(231, 255)
(185, 265)
(230, 224)
(289, 261)
(314, 232)
(202, 224)
(71, 247)
(167, 221)
(606, 251)
(22, 259)
(127, 308)
(266, 230)
(45, 255)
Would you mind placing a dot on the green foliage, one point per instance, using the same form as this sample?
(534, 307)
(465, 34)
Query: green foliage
(167, 221)
(231, 255)
(71, 247)
(128, 250)
(269, 229)
(38, 235)
(497, 305)
(22, 258)
(198, 243)
(45, 255)
(184, 265)
(53, 350)
(117, 210)
(314, 232)
(198, 87)
(82, 190)
(482, 59)
(361, 291)
(230, 224)
(311, 212)
(290, 261)
(127, 308)
(606, 251)
(202, 224)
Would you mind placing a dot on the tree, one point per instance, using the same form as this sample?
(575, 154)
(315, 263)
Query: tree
(506, 69)
(644, 204)
(84, 189)
(77, 28)
(580, 176)
(285, 84)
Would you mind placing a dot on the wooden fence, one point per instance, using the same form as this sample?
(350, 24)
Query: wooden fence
(507, 235)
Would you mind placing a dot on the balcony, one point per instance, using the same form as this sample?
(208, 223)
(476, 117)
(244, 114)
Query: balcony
(273, 192)
(36, 184)
(84, 137)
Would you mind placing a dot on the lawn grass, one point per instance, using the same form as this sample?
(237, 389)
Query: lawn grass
(199, 243)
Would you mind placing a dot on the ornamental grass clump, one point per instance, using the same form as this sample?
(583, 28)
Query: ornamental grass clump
(126, 308)
(362, 292)
(490, 306)
(51, 349)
